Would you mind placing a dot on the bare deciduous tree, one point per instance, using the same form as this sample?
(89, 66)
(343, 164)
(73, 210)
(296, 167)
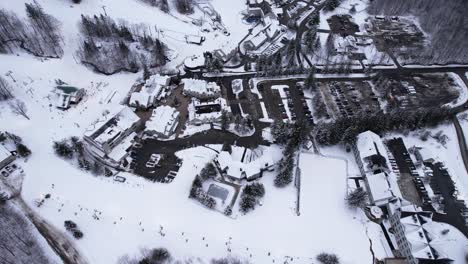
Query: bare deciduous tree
(5, 90)
(18, 243)
(19, 107)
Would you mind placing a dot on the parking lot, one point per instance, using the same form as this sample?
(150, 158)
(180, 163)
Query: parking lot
(10, 170)
(284, 100)
(154, 165)
(410, 182)
(456, 210)
(346, 99)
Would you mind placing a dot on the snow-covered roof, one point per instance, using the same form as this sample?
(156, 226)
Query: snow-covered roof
(121, 150)
(111, 124)
(197, 102)
(194, 39)
(155, 80)
(272, 26)
(4, 153)
(141, 99)
(426, 154)
(201, 87)
(163, 120)
(212, 115)
(194, 61)
(379, 187)
(258, 39)
(237, 86)
(62, 100)
(369, 144)
(67, 89)
(417, 236)
(244, 163)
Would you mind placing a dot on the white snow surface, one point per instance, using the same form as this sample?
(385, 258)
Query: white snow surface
(449, 155)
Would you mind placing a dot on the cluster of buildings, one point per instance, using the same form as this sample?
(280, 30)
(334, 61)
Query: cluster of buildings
(268, 35)
(243, 163)
(406, 224)
(154, 89)
(206, 102)
(163, 122)
(201, 89)
(111, 136)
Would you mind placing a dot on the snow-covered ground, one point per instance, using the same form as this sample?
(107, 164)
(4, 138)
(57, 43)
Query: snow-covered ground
(449, 154)
(121, 207)
(129, 216)
(461, 88)
(171, 28)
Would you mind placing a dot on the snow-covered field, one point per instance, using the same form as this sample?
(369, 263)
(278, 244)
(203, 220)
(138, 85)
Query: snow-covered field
(121, 218)
(190, 230)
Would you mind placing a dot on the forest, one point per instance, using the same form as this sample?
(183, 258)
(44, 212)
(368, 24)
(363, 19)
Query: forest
(18, 244)
(445, 21)
(110, 47)
(38, 35)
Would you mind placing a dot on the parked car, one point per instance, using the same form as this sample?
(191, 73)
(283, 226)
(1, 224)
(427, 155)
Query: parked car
(119, 179)
(5, 173)
(9, 169)
(150, 164)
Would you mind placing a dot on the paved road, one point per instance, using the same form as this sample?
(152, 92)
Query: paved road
(461, 142)
(302, 28)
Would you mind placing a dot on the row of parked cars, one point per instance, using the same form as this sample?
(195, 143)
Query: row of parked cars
(307, 113)
(10, 169)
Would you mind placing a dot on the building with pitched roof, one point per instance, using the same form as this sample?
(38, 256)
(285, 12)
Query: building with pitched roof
(65, 95)
(163, 122)
(111, 135)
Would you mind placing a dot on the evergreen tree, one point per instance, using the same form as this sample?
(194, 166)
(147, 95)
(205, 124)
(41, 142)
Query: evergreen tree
(23, 151)
(209, 171)
(326, 258)
(247, 203)
(357, 198)
(63, 149)
(280, 132)
(225, 120)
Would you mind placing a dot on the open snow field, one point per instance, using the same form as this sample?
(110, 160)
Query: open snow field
(110, 213)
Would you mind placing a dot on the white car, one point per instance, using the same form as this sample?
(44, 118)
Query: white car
(150, 164)
(155, 158)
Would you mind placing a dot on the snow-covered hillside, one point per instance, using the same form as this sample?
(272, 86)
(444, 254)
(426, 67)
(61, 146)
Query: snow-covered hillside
(127, 217)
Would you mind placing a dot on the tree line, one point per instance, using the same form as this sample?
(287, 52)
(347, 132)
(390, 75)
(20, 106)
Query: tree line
(445, 21)
(182, 6)
(345, 129)
(109, 47)
(19, 242)
(38, 35)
